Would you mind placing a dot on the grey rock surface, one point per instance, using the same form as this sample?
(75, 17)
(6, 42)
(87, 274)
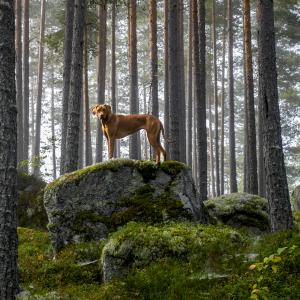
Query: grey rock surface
(90, 203)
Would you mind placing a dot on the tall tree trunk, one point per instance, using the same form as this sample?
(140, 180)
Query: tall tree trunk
(32, 97)
(250, 109)
(80, 142)
(166, 71)
(53, 138)
(216, 100)
(276, 181)
(190, 91)
(102, 44)
(174, 79)
(145, 135)
(153, 57)
(232, 157)
(8, 154)
(37, 141)
(261, 166)
(182, 125)
(69, 18)
(25, 60)
(199, 45)
(87, 124)
(222, 150)
(18, 36)
(72, 142)
(134, 140)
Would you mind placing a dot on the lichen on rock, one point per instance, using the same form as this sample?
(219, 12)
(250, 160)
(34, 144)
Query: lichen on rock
(90, 203)
(240, 210)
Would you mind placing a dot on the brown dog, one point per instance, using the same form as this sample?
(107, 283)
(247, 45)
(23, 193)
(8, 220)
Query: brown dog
(118, 126)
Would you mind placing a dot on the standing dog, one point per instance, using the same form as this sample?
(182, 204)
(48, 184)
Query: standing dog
(118, 126)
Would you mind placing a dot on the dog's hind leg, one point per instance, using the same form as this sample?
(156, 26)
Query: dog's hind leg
(152, 138)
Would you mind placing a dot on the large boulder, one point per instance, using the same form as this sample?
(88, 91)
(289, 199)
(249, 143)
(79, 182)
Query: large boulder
(240, 210)
(90, 203)
(295, 199)
(139, 245)
(30, 211)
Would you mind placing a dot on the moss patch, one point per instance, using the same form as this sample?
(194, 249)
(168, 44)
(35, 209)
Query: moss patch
(148, 170)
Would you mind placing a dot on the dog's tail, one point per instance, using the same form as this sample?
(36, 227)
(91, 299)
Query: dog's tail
(163, 134)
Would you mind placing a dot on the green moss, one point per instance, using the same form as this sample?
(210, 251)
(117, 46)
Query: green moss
(143, 206)
(203, 246)
(148, 170)
(172, 167)
(240, 209)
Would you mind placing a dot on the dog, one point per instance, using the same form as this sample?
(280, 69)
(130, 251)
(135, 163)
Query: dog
(119, 126)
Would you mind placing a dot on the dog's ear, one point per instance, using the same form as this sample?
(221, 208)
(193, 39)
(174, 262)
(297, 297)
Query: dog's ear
(93, 107)
(108, 107)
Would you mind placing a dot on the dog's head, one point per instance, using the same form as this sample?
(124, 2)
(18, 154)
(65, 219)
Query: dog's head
(101, 111)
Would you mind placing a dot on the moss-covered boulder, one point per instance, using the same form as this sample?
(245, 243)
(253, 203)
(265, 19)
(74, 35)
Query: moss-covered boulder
(90, 203)
(295, 199)
(30, 210)
(138, 245)
(240, 210)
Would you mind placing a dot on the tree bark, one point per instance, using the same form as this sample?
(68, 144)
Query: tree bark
(232, 157)
(25, 61)
(190, 91)
(199, 45)
(174, 79)
(182, 126)
(102, 45)
(251, 173)
(72, 142)
(69, 18)
(222, 150)
(166, 70)
(18, 36)
(53, 138)
(216, 101)
(134, 140)
(8, 153)
(153, 57)
(87, 123)
(37, 141)
(276, 182)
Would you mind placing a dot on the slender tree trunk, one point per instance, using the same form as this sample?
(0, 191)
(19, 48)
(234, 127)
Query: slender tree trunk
(153, 57)
(166, 70)
(80, 143)
(8, 153)
(261, 167)
(113, 57)
(102, 44)
(18, 43)
(53, 138)
(199, 45)
(69, 17)
(145, 135)
(37, 141)
(276, 181)
(72, 142)
(216, 102)
(32, 118)
(190, 91)
(182, 126)
(25, 61)
(87, 123)
(134, 140)
(232, 158)
(222, 152)
(250, 109)
(174, 79)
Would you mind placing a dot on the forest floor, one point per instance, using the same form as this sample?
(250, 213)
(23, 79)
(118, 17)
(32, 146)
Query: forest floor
(267, 267)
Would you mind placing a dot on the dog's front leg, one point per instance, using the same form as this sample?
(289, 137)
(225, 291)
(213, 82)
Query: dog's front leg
(111, 145)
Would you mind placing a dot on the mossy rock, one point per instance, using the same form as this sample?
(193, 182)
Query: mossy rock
(90, 203)
(295, 199)
(137, 245)
(30, 211)
(240, 210)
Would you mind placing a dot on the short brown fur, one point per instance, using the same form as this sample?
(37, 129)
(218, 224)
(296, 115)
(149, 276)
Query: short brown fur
(119, 126)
